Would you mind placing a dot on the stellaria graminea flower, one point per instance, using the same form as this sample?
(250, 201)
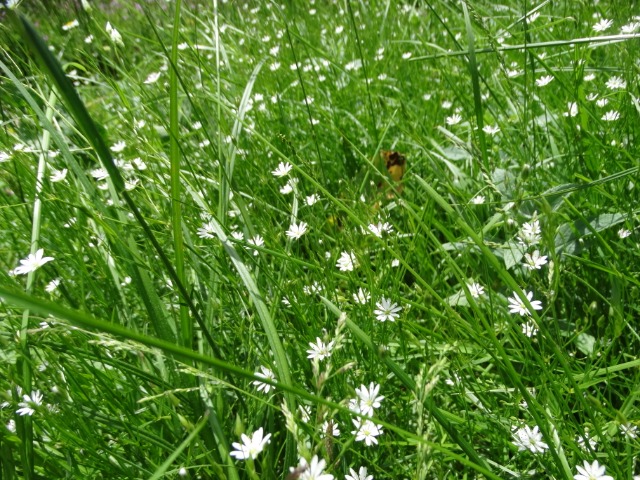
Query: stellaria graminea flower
(315, 470)
(347, 262)
(362, 474)
(526, 438)
(369, 398)
(362, 297)
(30, 403)
(544, 80)
(268, 374)
(32, 263)
(250, 447)
(593, 471)
(297, 230)
(534, 261)
(529, 233)
(475, 289)
(282, 170)
(366, 431)
(623, 233)
(385, 310)
(453, 119)
(320, 350)
(517, 306)
(602, 25)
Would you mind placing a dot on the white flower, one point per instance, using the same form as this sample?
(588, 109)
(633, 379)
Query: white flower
(453, 119)
(330, 429)
(602, 25)
(526, 438)
(114, 34)
(206, 231)
(616, 83)
(312, 199)
(517, 306)
(152, 78)
(475, 289)
(544, 81)
(407, 55)
(237, 236)
(32, 263)
(380, 228)
(629, 431)
(362, 297)
(395, 263)
(52, 286)
(353, 65)
(611, 116)
(529, 328)
(347, 262)
(268, 374)
(315, 287)
(30, 403)
(361, 475)
(319, 350)
(529, 233)
(250, 447)
(572, 109)
(593, 471)
(489, 130)
(385, 310)
(369, 398)
(366, 431)
(315, 470)
(256, 241)
(623, 233)
(602, 102)
(478, 200)
(630, 28)
(69, 25)
(58, 175)
(534, 261)
(287, 189)
(297, 230)
(282, 170)
(118, 147)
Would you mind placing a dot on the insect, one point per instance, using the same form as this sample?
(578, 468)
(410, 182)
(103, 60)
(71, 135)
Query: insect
(396, 164)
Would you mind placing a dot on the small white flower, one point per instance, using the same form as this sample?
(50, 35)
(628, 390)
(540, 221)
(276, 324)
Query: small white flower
(114, 34)
(544, 81)
(572, 109)
(319, 350)
(629, 431)
(312, 199)
(369, 398)
(526, 438)
(366, 431)
(347, 262)
(616, 83)
(315, 470)
(305, 413)
(256, 241)
(58, 175)
(475, 289)
(362, 474)
(250, 447)
(529, 328)
(611, 116)
(395, 263)
(490, 130)
(630, 28)
(517, 306)
(407, 55)
(118, 147)
(152, 78)
(602, 25)
(32, 263)
(287, 189)
(330, 429)
(593, 471)
(207, 230)
(379, 229)
(297, 230)
(52, 286)
(529, 233)
(478, 200)
(534, 261)
(602, 102)
(453, 119)
(69, 25)
(623, 233)
(30, 403)
(267, 374)
(362, 297)
(385, 310)
(353, 65)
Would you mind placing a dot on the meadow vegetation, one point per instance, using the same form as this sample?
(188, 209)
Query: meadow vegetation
(208, 272)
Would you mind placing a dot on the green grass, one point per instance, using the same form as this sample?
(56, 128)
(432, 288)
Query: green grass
(147, 332)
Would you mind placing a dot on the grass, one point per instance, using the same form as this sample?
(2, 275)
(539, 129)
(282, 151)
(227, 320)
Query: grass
(182, 308)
